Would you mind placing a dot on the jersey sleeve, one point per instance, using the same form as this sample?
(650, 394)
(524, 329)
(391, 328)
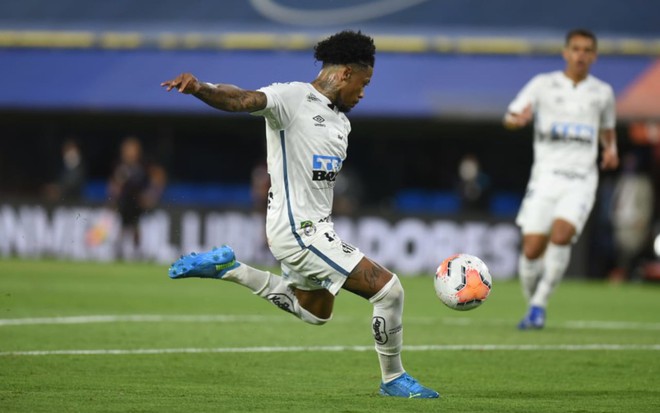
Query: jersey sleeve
(527, 96)
(281, 104)
(608, 114)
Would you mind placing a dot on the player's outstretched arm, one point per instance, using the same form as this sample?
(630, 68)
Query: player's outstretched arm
(610, 155)
(224, 97)
(518, 120)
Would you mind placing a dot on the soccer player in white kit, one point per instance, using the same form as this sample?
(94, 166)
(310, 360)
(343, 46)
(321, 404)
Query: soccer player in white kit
(307, 139)
(573, 112)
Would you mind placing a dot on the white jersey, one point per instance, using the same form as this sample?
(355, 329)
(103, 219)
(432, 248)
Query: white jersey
(307, 140)
(568, 120)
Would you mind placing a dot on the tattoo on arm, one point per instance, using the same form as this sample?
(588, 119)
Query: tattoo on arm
(371, 274)
(231, 98)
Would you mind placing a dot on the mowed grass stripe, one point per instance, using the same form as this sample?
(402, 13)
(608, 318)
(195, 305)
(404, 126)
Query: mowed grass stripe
(246, 318)
(453, 347)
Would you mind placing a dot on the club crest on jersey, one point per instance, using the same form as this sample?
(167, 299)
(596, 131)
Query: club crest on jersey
(308, 228)
(325, 167)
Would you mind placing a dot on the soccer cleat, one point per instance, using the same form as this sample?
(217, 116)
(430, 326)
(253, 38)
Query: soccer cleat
(535, 319)
(211, 264)
(408, 387)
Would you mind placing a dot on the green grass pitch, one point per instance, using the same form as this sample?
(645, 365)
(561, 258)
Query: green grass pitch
(82, 337)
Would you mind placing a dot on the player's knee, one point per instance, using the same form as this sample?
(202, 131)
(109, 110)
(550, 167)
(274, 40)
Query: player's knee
(563, 232)
(392, 293)
(562, 237)
(313, 319)
(533, 250)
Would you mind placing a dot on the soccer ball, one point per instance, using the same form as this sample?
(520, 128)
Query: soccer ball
(462, 282)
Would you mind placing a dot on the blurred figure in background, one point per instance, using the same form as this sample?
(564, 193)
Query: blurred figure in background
(574, 112)
(71, 177)
(473, 185)
(134, 188)
(632, 216)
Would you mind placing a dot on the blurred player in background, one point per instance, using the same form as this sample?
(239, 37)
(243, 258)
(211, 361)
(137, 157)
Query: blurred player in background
(307, 138)
(573, 112)
(135, 186)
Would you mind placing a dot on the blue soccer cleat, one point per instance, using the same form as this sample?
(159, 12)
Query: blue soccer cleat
(534, 320)
(211, 264)
(408, 387)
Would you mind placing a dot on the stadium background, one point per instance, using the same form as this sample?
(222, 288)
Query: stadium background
(445, 72)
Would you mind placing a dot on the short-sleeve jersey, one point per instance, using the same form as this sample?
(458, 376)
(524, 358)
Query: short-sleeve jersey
(567, 121)
(307, 140)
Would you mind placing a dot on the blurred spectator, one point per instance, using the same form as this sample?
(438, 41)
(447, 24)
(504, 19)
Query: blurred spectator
(473, 184)
(632, 214)
(71, 177)
(134, 188)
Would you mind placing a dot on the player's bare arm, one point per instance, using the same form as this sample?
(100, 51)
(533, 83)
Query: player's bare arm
(610, 154)
(225, 97)
(518, 120)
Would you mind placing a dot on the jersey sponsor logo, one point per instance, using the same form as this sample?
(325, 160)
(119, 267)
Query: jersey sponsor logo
(571, 132)
(319, 120)
(325, 167)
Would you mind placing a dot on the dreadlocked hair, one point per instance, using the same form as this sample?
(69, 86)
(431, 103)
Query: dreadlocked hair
(346, 47)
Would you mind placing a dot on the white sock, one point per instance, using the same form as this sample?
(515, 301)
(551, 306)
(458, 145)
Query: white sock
(387, 328)
(555, 262)
(530, 272)
(272, 288)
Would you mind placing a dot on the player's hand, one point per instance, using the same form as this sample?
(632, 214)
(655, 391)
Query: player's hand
(184, 83)
(518, 120)
(609, 159)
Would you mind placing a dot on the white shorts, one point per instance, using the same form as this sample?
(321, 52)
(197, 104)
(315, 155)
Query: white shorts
(557, 194)
(326, 263)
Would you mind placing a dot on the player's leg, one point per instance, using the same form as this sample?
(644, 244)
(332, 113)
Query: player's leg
(569, 217)
(556, 259)
(535, 220)
(530, 263)
(220, 263)
(383, 289)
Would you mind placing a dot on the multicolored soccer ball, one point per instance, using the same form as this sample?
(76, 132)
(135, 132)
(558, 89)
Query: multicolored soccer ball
(462, 282)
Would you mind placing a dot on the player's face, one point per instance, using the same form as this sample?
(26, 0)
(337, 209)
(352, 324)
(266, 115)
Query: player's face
(353, 89)
(579, 53)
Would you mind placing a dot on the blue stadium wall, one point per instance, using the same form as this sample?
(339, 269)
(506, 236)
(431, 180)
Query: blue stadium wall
(404, 85)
